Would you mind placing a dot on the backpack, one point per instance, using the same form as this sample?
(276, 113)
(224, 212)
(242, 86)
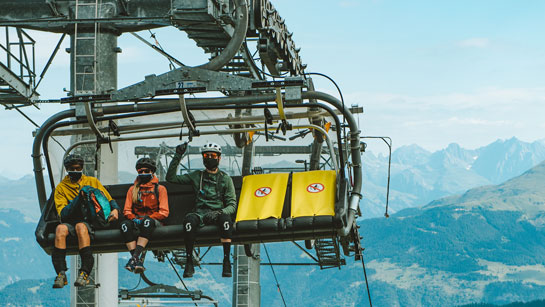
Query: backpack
(95, 207)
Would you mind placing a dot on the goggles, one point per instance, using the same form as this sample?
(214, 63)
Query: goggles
(212, 155)
(74, 168)
(144, 171)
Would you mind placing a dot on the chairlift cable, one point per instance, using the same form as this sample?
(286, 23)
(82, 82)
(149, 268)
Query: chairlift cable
(366, 281)
(138, 284)
(37, 126)
(179, 277)
(161, 47)
(274, 274)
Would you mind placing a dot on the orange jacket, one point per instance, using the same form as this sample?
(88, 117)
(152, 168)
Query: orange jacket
(147, 202)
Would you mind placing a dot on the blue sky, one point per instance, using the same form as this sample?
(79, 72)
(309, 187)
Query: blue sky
(426, 72)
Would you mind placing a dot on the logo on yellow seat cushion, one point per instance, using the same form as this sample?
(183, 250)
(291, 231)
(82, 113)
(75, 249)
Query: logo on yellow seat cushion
(315, 188)
(262, 192)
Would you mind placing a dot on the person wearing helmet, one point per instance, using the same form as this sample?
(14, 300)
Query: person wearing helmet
(214, 205)
(146, 205)
(72, 221)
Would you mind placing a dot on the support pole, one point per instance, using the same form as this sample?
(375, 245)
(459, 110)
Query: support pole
(94, 71)
(246, 286)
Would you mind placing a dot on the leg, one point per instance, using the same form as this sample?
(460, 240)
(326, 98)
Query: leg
(84, 240)
(226, 226)
(128, 232)
(58, 256)
(61, 232)
(84, 243)
(87, 260)
(191, 224)
(147, 226)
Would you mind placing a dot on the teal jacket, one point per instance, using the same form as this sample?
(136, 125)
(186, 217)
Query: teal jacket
(215, 192)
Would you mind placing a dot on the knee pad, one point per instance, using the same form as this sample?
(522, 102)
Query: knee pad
(127, 230)
(226, 226)
(147, 227)
(191, 223)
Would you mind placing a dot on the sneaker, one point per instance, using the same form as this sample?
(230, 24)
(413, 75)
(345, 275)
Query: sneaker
(189, 269)
(139, 266)
(82, 280)
(60, 281)
(130, 265)
(226, 268)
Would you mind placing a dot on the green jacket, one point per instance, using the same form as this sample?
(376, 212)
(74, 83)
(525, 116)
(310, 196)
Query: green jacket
(217, 190)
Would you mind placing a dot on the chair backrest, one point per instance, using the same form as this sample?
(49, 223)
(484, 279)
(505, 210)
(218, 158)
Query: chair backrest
(181, 198)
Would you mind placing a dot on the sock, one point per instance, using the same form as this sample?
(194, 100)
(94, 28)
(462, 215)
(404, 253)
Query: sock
(87, 260)
(137, 251)
(58, 257)
(226, 250)
(132, 252)
(189, 249)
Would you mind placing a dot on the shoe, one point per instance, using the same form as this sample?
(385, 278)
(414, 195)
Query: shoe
(189, 269)
(226, 268)
(82, 280)
(130, 265)
(139, 266)
(60, 281)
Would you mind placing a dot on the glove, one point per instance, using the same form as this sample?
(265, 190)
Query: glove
(180, 149)
(211, 216)
(137, 221)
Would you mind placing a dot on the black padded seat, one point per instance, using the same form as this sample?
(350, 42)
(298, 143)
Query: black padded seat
(258, 226)
(310, 222)
(181, 199)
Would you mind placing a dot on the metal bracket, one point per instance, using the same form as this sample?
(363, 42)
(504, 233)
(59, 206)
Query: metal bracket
(189, 120)
(123, 7)
(53, 6)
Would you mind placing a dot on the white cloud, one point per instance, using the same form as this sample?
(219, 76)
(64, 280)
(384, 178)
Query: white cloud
(475, 42)
(471, 119)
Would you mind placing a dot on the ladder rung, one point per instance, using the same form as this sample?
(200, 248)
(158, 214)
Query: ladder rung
(85, 37)
(84, 55)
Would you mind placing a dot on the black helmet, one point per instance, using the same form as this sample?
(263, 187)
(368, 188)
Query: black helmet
(73, 159)
(147, 163)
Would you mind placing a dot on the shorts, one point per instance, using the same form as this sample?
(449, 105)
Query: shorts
(72, 229)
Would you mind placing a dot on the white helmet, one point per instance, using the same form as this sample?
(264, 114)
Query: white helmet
(211, 147)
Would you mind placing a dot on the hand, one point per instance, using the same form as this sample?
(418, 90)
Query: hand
(137, 221)
(211, 216)
(114, 215)
(180, 149)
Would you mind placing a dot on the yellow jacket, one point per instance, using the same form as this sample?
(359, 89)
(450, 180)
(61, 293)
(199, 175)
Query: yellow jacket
(67, 191)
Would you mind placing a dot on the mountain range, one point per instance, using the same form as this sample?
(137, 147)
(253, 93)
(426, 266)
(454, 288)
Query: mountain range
(419, 176)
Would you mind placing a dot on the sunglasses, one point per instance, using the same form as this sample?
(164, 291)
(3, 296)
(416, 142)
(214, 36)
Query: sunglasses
(74, 168)
(212, 155)
(144, 171)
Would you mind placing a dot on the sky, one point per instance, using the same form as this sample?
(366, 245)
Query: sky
(426, 72)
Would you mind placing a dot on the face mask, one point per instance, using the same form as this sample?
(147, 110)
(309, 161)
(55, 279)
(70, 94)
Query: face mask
(211, 163)
(145, 178)
(75, 176)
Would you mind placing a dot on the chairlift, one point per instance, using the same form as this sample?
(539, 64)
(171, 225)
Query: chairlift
(291, 221)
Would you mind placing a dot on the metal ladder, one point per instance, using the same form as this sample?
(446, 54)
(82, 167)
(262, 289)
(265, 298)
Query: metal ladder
(328, 253)
(88, 56)
(242, 281)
